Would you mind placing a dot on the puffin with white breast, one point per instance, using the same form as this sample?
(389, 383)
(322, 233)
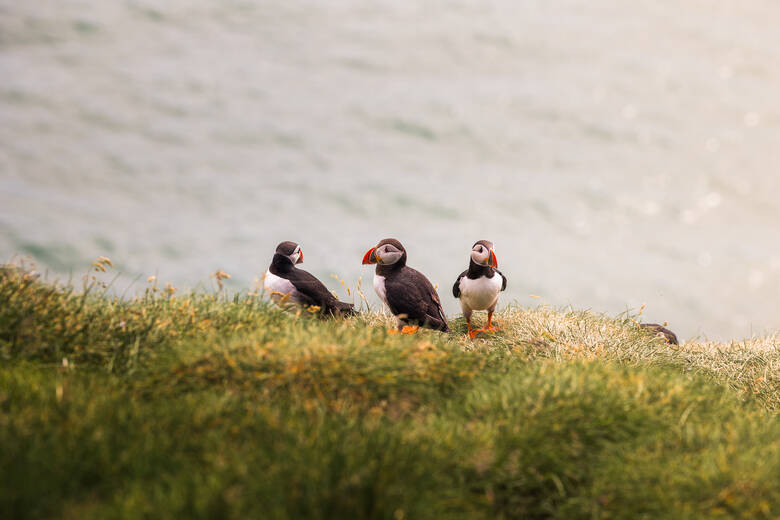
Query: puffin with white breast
(289, 285)
(406, 291)
(478, 286)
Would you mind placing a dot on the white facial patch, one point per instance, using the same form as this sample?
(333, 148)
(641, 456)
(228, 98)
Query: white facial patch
(388, 255)
(480, 254)
(295, 256)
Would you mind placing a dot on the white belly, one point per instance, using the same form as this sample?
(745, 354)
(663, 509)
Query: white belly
(379, 288)
(480, 294)
(278, 288)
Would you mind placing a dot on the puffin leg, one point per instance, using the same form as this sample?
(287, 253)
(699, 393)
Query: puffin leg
(489, 327)
(408, 329)
(399, 329)
(472, 332)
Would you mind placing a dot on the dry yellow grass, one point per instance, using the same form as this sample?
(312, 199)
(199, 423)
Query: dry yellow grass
(751, 365)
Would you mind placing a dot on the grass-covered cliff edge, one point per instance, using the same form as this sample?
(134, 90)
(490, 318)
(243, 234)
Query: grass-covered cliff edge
(209, 405)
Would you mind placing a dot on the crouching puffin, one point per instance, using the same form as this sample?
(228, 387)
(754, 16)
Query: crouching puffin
(406, 291)
(661, 330)
(289, 285)
(479, 285)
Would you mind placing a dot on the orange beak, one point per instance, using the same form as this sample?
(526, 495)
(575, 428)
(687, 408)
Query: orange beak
(369, 257)
(492, 261)
(300, 258)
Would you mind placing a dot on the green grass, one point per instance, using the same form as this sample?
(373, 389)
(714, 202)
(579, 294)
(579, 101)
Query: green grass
(208, 405)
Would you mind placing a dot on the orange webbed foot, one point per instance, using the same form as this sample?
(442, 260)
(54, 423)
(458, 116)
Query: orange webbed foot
(489, 327)
(409, 329)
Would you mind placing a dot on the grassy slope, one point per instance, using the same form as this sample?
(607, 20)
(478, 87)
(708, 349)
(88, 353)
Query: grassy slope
(198, 406)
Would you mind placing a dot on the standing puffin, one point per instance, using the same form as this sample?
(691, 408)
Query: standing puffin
(478, 286)
(406, 291)
(288, 284)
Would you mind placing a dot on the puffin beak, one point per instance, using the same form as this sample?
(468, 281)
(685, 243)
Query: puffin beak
(300, 258)
(370, 256)
(492, 260)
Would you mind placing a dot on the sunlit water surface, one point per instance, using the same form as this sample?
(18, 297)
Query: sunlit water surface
(618, 153)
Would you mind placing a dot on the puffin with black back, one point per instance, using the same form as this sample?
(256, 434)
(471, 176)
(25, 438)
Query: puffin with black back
(406, 291)
(289, 285)
(478, 286)
(661, 330)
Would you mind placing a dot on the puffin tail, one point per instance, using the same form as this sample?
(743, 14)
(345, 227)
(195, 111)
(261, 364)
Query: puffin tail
(343, 309)
(439, 324)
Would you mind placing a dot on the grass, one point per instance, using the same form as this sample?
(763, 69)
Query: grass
(210, 405)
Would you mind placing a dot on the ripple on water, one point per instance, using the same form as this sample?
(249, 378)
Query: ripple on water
(55, 255)
(431, 209)
(105, 244)
(410, 128)
(182, 135)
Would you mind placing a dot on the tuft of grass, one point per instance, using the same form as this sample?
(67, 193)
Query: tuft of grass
(48, 322)
(210, 405)
(751, 366)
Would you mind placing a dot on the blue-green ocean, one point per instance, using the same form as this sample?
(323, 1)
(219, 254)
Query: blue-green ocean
(617, 153)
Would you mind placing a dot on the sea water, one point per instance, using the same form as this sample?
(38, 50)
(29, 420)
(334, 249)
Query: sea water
(617, 153)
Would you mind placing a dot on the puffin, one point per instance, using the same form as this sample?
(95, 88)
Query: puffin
(406, 291)
(669, 336)
(478, 286)
(288, 284)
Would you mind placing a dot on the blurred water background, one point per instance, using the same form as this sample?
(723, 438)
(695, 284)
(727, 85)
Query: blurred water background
(618, 153)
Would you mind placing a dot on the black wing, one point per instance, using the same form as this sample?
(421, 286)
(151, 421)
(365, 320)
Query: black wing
(411, 294)
(312, 291)
(456, 287)
(503, 279)
(435, 314)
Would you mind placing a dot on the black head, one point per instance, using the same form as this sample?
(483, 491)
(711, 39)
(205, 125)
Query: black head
(482, 253)
(290, 250)
(388, 252)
